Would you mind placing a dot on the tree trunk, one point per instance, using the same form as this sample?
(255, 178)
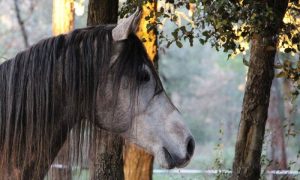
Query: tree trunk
(254, 115)
(63, 16)
(289, 109)
(106, 155)
(102, 12)
(246, 165)
(149, 38)
(138, 164)
(277, 150)
(106, 160)
(62, 22)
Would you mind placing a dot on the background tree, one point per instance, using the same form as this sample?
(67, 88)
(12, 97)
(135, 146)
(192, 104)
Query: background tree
(262, 24)
(256, 99)
(277, 151)
(62, 16)
(21, 24)
(62, 22)
(138, 164)
(106, 160)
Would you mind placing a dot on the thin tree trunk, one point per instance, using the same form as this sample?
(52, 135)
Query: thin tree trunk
(277, 149)
(62, 22)
(62, 16)
(289, 111)
(138, 164)
(21, 24)
(106, 155)
(254, 114)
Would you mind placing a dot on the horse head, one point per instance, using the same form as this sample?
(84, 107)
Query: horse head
(135, 104)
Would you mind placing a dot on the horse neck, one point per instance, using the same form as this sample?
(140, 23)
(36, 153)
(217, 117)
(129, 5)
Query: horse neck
(33, 137)
(38, 170)
(44, 93)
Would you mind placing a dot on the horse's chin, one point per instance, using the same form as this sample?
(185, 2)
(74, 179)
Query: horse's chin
(172, 165)
(184, 164)
(171, 161)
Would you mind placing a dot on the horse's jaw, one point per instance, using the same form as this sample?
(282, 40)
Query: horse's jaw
(165, 136)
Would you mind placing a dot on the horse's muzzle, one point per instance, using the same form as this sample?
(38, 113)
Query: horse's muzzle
(176, 161)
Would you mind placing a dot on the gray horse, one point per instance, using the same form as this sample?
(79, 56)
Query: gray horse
(93, 77)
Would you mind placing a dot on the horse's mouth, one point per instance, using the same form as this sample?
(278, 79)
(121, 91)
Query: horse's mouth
(174, 161)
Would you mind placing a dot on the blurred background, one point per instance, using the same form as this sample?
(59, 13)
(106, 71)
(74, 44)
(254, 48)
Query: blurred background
(206, 87)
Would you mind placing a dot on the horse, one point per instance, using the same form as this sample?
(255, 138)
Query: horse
(92, 77)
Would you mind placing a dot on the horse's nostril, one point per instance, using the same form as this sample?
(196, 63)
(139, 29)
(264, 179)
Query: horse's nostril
(190, 147)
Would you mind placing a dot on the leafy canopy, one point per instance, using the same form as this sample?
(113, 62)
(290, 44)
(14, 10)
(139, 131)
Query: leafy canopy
(229, 25)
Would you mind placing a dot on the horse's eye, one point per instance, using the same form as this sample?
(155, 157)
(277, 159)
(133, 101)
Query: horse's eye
(143, 77)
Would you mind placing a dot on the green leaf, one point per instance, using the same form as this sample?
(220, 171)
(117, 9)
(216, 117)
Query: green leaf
(295, 40)
(245, 62)
(278, 66)
(202, 41)
(228, 56)
(169, 44)
(144, 40)
(183, 29)
(175, 34)
(288, 50)
(206, 33)
(147, 18)
(191, 40)
(244, 34)
(179, 44)
(281, 74)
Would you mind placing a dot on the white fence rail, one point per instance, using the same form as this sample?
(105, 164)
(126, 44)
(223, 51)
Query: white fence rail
(196, 171)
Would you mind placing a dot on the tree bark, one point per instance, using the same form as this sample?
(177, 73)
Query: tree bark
(62, 22)
(102, 12)
(106, 160)
(254, 114)
(277, 149)
(106, 155)
(138, 164)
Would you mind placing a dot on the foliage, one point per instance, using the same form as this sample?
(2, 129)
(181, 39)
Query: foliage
(229, 25)
(225, 24)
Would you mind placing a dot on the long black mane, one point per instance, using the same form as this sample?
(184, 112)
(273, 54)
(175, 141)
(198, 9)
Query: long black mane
(51, 88)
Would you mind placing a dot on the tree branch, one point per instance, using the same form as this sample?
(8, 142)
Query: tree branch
(21, 24)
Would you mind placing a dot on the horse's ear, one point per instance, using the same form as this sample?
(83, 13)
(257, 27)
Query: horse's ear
(127, 26)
